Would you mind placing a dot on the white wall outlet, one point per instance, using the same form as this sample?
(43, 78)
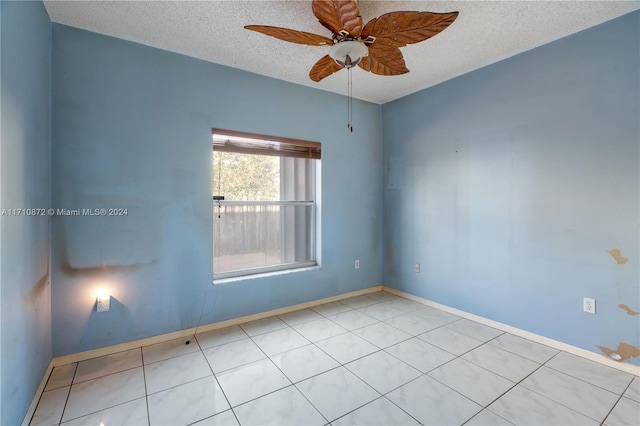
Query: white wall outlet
(589, 305)
(357, 264)
(103, 303)
(416, 268)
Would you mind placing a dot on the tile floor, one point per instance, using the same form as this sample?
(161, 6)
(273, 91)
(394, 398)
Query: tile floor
(377, 359)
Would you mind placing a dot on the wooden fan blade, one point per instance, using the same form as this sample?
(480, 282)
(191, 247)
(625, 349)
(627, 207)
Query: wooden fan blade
(338, 15)
(384, 61)
(397, 29)
(292, 36)
(323, 68)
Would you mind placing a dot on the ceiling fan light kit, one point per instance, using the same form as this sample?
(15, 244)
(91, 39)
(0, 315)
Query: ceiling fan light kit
(348, 53)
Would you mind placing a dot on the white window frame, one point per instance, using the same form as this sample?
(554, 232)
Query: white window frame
(282, 147)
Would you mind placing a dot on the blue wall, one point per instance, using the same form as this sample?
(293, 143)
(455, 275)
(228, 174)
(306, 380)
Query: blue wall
(132, 129)
(25, 321)
(510, 184)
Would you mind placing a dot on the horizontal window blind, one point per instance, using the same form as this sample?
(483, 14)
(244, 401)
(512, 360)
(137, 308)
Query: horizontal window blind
(249, 143)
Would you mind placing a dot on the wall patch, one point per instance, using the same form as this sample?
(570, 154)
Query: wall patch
(628, 309)
(622, 353)
(617, 255)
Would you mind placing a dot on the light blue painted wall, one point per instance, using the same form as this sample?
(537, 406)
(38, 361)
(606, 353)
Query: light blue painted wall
(25, 321)
(132, 129)
(510, 184)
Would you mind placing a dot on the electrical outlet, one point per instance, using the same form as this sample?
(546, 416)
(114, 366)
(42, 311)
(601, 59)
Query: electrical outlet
(589, 305)
(102, 303)
(416, 268)
(357, 264)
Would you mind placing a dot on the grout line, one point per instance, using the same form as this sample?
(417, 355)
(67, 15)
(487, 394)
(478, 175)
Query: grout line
(266, 358)
(487, 409)
(523, 356)
(146, 391)
(617, 402)
(578, 378)
(546, 397)
(66, 401)
(217, 381)
(31, 410)
(401, 409)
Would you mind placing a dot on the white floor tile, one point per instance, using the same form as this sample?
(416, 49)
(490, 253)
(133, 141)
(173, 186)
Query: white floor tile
(188, 403)
(170, 349)
(432, 403)
(585, 398)
(50, 407)
(133, 413)
(380, 412)
(298, 317)
(337, 392)
(353, 319)
(232, 355)
(476, 383)
(382, 335)
(175, 371)
(332, 308)
(284, 407)
(524, 347)
(420, 354)
(435, 316)
(319, 329)
(359, 301)
(450, 340)
(61, 376)
(382, 371)
(105, 392)
(220, 337)
(406, 304)
(521, 406)
(226, 418)
(279, 341)
(592, 372)
(475, 330)
(346, 347)
(626, 412)
(411, 324)
(501, 362)
(382, 311)
(382, 296)
(487, 418)
(302, 363)
(109, 364)
(253, 328)
(633, 391)
(251, 381)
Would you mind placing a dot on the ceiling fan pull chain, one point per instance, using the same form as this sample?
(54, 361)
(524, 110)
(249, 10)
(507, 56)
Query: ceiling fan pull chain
(349, 99)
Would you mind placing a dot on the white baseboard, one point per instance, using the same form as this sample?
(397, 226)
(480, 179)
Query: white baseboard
(108, 350)
(592, 356)
(36, 398)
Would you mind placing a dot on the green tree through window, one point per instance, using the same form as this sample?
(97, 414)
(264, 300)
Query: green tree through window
(242, 177)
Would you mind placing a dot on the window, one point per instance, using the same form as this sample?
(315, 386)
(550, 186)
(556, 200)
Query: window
(264, 207)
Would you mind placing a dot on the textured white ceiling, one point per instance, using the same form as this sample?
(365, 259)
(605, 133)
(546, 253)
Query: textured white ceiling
(485, 32)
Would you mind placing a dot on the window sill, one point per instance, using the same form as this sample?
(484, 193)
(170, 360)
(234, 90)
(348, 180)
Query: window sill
(221, 281)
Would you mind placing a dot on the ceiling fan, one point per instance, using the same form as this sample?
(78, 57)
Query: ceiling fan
(374, 47)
